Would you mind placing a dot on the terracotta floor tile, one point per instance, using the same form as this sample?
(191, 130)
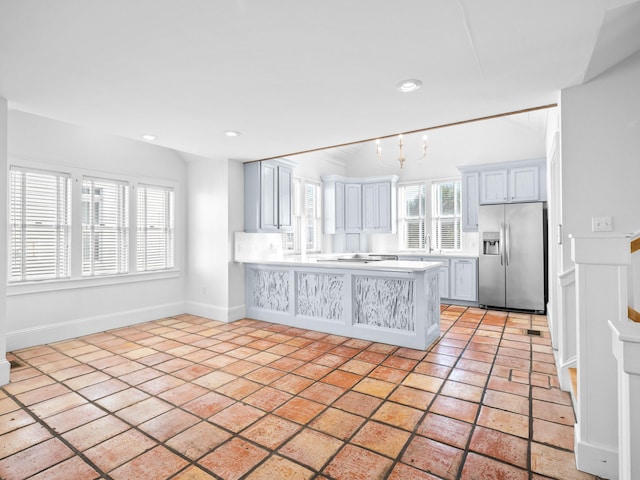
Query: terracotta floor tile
(193, 473)
(208, 404)
(103, 389)
(264, 358)
(312, 370)
(74, 468)
(371, 357)
(553, 412)
(183, 393)
(286, 364)
(383, 439)
(265, 375)
(156, 464)
(119, 449)
(214, 380)
(238, 388)
(554, 395)
(236, 417)
(474, 366)
(322, 393)
(70, 419)
(267, 398)
(292, 384)
(233, 459)
(506, 401)
(412, 397)
(34, 459)
(58, 404)
(168, 424)
(22, 438)
(376, 388)
(358, 367)
(142, 411)
(354, 462)
(270, 431)
(504, 385)
(337, 423)
(94, 432)
(239, 368)
(499, 445)
(504, 421)
(423, 382)
(554, 434)
(311, 448)
(382, 348)
(445, 359)
(433, 457)
(455, 408)
(299, 410)
(405, 472)
(13, 420)
(477, 467)
(466, 376)
(160, 384)
(388, 374)
(445, 430)
(463, 391)
(199, 439)
(278, 467)
(342, 379)
(44, 393)
(432, 369)
(398, 415)
(122, 399)
(85, 380)
(555, 463)
(358, 403)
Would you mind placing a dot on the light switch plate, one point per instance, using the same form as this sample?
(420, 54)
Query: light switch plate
(601, 224)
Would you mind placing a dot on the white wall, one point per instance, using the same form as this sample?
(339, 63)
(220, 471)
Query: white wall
(600, 124)
(68, 309)
(4, 365)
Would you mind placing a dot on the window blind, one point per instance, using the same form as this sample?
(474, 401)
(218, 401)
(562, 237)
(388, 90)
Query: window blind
(156, 230)
(412, 203)
(291, 239)
(312, 212)
(446, 215)
(105, 227)
(39, 224)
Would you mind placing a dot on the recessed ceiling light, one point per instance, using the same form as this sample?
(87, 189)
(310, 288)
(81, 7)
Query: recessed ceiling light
(149, 137)
(231, 133)
(409, 85)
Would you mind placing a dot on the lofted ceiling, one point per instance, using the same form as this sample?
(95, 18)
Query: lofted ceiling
(295, 75)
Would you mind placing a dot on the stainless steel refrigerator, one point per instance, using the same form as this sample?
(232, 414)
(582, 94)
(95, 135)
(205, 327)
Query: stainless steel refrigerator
(512, 263)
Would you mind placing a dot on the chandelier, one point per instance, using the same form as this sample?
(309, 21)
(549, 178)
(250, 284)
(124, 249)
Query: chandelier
(401, 156)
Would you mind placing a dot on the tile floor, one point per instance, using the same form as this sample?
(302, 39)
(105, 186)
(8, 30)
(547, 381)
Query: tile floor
(189, 398)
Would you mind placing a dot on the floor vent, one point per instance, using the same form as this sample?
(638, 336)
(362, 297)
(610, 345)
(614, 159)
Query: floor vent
(535, 333)
(14, 364)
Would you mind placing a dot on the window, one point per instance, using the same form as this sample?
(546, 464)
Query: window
(313, 222)
(446, 216)
(40, 225)
(105, 227)
(155, 236)
(412, 206)
(307, 212)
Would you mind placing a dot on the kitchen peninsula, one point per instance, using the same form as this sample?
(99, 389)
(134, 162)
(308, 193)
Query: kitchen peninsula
(386, 301)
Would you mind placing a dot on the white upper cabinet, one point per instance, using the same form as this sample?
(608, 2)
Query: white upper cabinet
(493, 186)
(377, 206)
(352, 207)
(509, 182)
(357, 205)
(268, 196)
(470, 201)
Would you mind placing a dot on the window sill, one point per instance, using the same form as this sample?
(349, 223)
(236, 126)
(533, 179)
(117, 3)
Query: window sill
(26, 288)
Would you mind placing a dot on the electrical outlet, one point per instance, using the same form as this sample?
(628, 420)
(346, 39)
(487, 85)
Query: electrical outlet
(601, 224)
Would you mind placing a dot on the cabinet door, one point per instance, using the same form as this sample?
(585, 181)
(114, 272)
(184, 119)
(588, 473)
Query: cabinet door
(339, 193)
(464, 283)
(443, 281)
(370, 206)
(383, 194)
(523, 184)
(470, 202)
(493, 186)
(269, 196)
(353, 208)
(285, 198)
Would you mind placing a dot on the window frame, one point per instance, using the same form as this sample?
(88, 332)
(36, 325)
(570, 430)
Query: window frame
(294, 237)
(436, 217)
(76, 279)
(403, 217)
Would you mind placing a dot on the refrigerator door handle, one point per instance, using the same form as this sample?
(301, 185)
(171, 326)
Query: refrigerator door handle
(507, 243)
(501, 243)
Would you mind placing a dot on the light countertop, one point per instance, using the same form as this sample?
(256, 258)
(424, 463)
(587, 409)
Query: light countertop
(381, 265)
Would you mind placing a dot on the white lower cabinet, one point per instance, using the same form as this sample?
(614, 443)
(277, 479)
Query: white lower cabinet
(464, 279)
(457, 277)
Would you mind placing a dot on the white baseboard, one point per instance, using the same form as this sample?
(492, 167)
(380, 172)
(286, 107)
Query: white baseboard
(595, 459)
(214, 312)
(5, 367)
(55, 332)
